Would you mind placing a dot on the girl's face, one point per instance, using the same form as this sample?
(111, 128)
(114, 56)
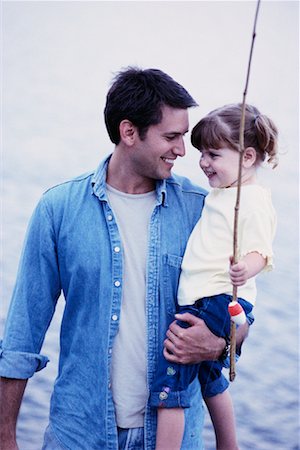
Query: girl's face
(220, 166)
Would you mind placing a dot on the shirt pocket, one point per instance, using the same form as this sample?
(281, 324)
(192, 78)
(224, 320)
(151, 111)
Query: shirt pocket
(171, 272)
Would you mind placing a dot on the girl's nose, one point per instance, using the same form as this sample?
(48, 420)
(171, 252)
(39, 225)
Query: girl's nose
(203, 163)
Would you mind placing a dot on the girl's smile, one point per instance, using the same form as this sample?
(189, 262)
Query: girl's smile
(220, 166)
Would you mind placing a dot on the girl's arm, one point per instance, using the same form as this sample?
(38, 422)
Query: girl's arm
(249, 266)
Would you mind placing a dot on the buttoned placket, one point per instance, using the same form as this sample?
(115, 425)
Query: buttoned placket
(152, 316)
(116, 248)
(116, 272)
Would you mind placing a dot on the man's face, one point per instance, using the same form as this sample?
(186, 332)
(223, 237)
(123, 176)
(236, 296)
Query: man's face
(155, 155)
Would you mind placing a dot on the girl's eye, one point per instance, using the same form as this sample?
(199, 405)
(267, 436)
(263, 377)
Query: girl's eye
(209, 154)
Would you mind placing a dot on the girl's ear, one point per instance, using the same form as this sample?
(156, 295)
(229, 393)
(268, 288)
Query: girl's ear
(128, 132)
(249, 157)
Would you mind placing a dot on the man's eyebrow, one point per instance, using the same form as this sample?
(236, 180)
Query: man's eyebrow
(175, 133)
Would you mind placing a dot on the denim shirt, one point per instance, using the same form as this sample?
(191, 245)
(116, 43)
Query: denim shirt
(73, 246)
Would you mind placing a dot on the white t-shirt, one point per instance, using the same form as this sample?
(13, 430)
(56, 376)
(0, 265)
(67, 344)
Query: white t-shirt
(129, 364)
(205, 264)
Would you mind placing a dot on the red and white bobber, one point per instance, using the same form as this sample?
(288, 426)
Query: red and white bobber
(237, 313)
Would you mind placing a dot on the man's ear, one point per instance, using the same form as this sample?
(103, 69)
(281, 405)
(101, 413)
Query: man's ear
(128, 132)
(249, 157)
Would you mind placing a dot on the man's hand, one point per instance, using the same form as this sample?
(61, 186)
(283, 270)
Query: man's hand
(192, 345)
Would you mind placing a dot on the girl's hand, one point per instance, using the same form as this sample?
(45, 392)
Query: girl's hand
(239, 272)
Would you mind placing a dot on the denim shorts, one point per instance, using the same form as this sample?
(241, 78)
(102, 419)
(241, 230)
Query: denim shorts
(169, 388)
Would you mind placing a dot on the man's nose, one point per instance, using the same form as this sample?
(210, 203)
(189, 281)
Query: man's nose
(179, 148)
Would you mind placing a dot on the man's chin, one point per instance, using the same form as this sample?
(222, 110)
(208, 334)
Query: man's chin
(167, 176)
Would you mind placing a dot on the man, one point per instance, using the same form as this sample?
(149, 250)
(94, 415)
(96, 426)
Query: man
(112, 242)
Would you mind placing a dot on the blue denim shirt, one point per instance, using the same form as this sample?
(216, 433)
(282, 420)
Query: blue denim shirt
(71, 246)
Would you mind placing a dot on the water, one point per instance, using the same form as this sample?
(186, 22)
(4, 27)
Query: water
(265, 391)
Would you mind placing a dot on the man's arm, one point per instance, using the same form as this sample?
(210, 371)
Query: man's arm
(197, 343)
(11, 394)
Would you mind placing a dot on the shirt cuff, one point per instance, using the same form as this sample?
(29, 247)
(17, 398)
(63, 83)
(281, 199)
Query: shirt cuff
(21, 365)
(168, 399)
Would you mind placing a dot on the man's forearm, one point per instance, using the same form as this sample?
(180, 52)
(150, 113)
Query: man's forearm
(11, 394)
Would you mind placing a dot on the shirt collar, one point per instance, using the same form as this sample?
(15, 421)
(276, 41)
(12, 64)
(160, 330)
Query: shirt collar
(99, 184)
(99, 179)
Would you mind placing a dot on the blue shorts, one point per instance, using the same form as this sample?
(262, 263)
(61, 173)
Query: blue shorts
(172, 380)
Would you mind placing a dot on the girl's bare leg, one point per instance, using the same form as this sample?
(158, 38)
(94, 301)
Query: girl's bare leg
(222, 415)
(170, 428)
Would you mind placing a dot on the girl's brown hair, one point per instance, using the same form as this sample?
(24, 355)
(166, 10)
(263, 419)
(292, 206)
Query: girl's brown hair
(221, 127)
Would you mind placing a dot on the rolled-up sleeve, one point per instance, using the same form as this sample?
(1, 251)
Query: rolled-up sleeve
(168, 399)
(20, 365)
(34, 298)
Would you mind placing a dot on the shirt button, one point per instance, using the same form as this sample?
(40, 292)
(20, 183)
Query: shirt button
(114, 317)
(117, 283)
(109, 217)
(117, 249)
(110, 351)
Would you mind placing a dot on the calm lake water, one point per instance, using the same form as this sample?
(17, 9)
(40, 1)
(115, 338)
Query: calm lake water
(265, 391)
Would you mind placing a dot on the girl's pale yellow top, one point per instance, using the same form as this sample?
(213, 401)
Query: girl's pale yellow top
(206, 260)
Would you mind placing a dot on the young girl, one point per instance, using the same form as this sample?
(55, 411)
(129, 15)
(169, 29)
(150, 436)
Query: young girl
(205, 285)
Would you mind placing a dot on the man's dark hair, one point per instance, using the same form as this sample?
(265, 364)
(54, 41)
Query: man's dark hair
(138, 95)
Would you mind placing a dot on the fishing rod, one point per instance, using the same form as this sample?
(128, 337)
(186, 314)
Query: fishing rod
(233, 306)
